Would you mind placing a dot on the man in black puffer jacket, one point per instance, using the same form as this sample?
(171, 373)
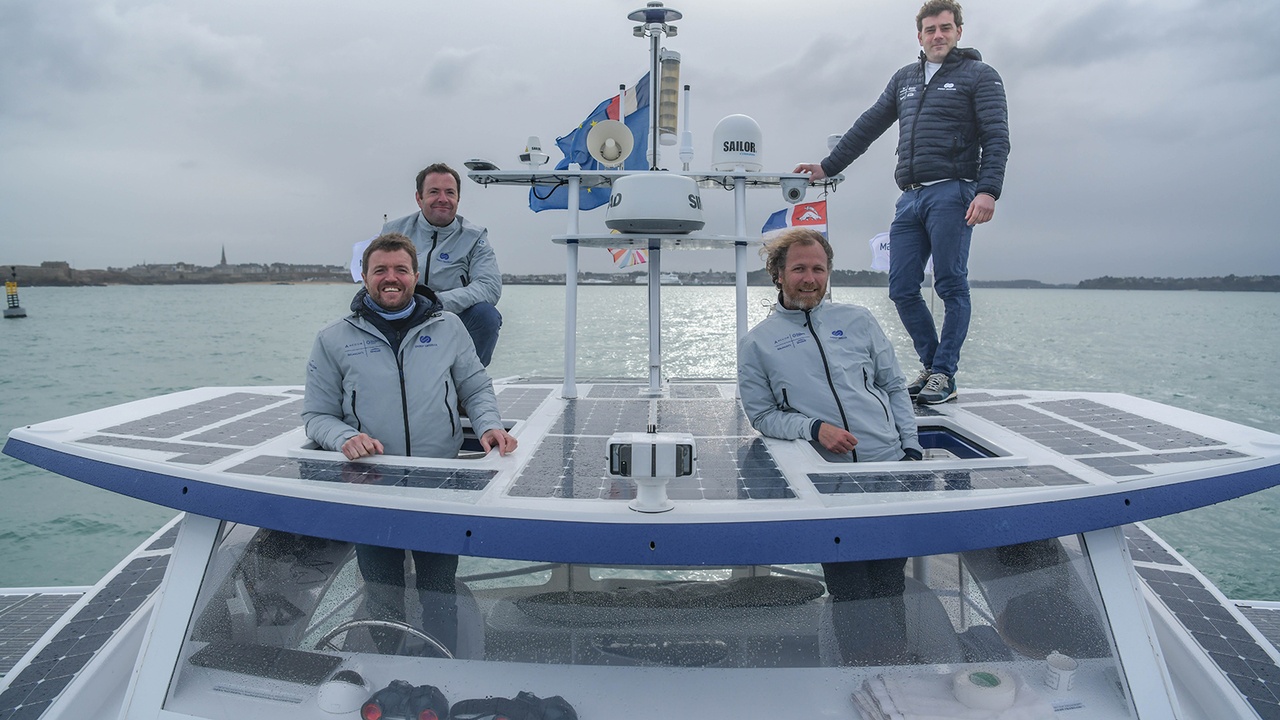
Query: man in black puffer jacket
(953, 141)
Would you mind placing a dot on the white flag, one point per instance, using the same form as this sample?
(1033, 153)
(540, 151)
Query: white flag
(357, 258)
(880, 254)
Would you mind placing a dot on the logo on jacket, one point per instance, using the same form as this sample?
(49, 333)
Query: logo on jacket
(948, 86)
(837, 334)
(789, 341)
(424, 339)
(444, 256)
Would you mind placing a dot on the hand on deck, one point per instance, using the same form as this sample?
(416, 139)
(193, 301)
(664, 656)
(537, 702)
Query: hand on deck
(361, 446)
(500, 439)
(837, 440)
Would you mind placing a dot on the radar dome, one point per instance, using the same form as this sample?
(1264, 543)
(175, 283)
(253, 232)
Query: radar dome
(735, 144)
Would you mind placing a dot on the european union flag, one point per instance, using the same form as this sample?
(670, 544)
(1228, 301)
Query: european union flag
(632, 107)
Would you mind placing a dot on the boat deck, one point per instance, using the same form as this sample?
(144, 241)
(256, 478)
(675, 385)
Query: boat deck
(71, 626)
(1239, 637)
(1011, 467)
(25, 615)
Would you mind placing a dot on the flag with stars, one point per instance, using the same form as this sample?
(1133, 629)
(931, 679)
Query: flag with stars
(632, 107)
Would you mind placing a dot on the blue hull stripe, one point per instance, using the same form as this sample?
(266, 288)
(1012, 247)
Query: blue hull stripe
(655, 543)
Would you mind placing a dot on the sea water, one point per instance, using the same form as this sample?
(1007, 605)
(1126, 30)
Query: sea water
(81, 349)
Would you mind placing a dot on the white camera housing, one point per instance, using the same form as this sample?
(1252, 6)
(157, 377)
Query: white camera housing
(651, 460)
(793, 189)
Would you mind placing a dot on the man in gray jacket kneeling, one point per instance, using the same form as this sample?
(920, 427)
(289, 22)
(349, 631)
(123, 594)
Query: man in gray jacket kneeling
(388, 378)
(823, 372)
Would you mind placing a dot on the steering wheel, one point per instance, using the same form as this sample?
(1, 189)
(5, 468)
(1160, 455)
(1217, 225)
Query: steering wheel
(436, 647)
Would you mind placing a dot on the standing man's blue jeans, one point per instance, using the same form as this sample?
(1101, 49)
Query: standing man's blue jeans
(482, 321)
(930, 221)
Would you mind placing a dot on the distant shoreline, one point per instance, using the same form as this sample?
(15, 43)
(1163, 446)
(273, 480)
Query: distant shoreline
(60, 274)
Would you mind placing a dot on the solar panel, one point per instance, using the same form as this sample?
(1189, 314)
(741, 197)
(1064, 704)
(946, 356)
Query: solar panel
(195, 416)
(256, 428)
(185, 453)
(364, 473)
(519, 403)
(732, 468)
(1053, 433)
(923, 480)
(1134, 428)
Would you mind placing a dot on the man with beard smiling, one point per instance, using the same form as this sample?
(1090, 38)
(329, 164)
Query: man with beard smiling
(825, 373)
(387, 379)
(457, 261)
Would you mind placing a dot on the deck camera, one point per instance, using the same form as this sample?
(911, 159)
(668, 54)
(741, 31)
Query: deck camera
(793, 189)
(651, 460)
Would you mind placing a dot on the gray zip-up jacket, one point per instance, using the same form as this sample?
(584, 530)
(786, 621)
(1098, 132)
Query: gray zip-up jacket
(405, 397)
(832, 363)
(456, 261)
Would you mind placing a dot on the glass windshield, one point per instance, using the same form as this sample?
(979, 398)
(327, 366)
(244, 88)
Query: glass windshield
(286, 619)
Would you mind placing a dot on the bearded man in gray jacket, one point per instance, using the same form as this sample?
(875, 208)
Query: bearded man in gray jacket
(457, 262)
(822, 372)
(387, 379)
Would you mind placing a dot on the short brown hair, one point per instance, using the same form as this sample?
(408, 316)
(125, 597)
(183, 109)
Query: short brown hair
(434, 168)
(934, 7)
(390, 243)
(775, 251)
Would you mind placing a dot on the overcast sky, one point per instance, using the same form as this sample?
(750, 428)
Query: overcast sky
(1144, 137)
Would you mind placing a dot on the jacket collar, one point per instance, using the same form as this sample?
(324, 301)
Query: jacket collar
(425, 303)
(798, 316)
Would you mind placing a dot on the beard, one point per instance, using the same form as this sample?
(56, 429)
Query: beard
(804, 302)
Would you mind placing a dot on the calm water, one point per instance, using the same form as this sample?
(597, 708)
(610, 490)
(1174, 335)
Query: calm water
(86, 348)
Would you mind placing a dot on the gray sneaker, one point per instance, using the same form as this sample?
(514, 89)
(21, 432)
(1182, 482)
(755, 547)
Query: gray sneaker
(915, 386)
(939, 389)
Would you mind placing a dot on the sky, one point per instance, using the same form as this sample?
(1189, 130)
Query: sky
(1143, 133)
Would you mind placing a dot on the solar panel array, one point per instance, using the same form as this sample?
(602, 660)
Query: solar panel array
(1053, 433)
(58, 663)
(913, 478)
(1110, 456)
(24, 618)
(255, 418)
(1126, 425)
(365, 473)
(173, 423)
(733, 462)
(1211, 623)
